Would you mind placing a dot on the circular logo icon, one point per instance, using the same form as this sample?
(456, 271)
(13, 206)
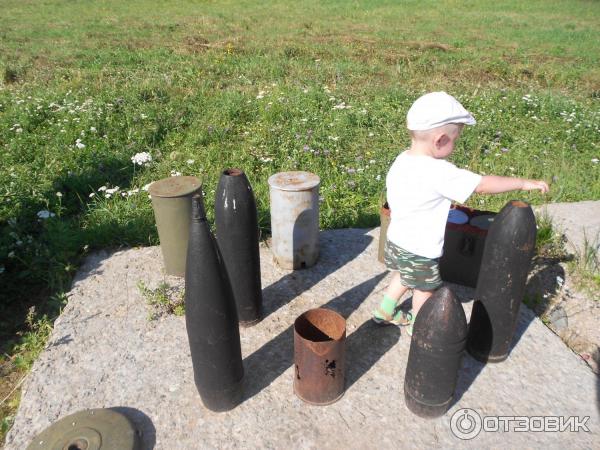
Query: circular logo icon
(465, 423)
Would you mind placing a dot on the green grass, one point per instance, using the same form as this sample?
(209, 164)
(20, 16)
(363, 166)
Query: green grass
(205, 85)
(163, 300)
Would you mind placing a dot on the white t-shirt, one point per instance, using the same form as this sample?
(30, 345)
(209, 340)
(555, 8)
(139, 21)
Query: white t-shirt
(419, 192)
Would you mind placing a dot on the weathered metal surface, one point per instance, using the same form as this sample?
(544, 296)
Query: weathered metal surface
(319, 356)
(463, 249)
(211, 318)
(171, 201)
(93, 429)
(500, 289)
(294, 200)
(385, 218)
(436, 350)
(236, 223)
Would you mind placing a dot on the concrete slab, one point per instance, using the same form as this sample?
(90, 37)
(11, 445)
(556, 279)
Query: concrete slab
(578, 221)
(104, 352)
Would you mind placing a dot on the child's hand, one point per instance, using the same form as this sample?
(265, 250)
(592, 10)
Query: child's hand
(531, 185)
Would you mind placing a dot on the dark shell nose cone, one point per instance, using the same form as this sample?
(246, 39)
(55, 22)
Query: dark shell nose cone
(436, 351)
(444, 318)
(236, 220)
(198, 212)
(505, 264)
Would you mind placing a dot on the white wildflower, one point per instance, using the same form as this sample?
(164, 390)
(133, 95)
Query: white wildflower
(342, 106)
(595, 160)
(175, 173)
(44, 214)
(11, 255)
(59, 194)
(92, 194)
(190, 161)
(101, 188)
(141, 159)
(93, 129)
(112, 190)
(145, 188)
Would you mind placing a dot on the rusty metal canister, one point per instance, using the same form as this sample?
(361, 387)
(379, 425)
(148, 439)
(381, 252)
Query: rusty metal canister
(211, 318)
(320, 356)
(236, 221)
(295, 218)
(385, 216)
(436, 349)
(505, 265)
(172, 205)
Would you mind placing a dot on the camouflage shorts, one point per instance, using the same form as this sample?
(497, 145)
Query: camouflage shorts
(416, 271)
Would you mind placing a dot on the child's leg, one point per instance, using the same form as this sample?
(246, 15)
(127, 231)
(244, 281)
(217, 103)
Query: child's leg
(386, 312)
(419, 298)
(396, 289)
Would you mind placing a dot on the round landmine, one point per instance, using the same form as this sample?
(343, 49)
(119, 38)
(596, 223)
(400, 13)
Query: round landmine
(93, 429)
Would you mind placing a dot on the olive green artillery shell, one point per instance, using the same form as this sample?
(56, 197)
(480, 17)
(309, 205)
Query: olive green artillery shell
(172, 204)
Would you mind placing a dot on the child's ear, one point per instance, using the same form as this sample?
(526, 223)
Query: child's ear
(441, 140)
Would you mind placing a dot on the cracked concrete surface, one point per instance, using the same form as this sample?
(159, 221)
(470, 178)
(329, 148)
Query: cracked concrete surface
(104, 352)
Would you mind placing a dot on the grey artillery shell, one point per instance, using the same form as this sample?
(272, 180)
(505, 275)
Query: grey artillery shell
(436, 350)
(505, 264)
(295, 218)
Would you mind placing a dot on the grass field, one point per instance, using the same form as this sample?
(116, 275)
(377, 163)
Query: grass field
(266, 87)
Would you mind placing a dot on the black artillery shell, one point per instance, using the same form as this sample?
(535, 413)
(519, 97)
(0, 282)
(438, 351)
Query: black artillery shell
(237, 234)
(211, 318)
(505, 264)
(436, 350)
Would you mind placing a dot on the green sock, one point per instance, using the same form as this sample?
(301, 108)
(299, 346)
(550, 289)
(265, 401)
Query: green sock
(388, 305)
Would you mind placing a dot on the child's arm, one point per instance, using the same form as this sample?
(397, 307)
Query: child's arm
(492, 184)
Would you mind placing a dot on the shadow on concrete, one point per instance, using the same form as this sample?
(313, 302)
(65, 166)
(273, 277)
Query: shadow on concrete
(598, 393)
(332, 257)
(142, 423)
(267, 363)
(541, 285)
(366, 346)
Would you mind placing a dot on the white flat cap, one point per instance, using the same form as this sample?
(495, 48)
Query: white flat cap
(436, 109)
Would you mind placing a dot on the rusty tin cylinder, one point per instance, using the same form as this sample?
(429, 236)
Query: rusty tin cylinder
(436, 350)
(172, 205)
(385, 216)
(295, 218)
(319, 356)
(505, 264)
